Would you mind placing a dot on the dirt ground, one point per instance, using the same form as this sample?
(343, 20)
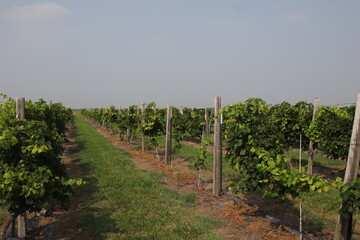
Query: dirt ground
(240, 219)
(60, 226)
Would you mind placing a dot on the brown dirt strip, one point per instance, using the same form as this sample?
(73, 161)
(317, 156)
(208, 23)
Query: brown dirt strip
(61, 225)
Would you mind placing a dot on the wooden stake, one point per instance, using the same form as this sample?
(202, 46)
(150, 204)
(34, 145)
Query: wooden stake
(311, 144)
(128, 130)
(121, 137)
(207, 126)
(181, 110)
(343, 229)
(21, 226)
(217, 169)
(168, 135)
(210, 119)
(20, 108)
(142, 123)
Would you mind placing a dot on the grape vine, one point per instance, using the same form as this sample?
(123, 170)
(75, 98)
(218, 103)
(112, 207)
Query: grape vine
(30, 149)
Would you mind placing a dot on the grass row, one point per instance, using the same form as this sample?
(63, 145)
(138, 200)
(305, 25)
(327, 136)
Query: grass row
(126, 203)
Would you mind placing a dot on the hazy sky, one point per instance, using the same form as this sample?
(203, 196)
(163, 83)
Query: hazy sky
(88, 53)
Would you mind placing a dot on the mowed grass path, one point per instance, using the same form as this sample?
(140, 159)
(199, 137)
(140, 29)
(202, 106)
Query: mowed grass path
(125, 203)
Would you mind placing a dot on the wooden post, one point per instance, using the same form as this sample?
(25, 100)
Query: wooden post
(217, 169)
(128, 130)
(311, 144)
(142, 123)
(20, 108)
(210, 119)
(207, 126)
(103, 114)
(181, 110)
(343, 229)
(121, 136)
(168, 135)
(21, 226)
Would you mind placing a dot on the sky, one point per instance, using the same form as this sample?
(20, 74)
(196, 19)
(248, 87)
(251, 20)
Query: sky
(88, 53)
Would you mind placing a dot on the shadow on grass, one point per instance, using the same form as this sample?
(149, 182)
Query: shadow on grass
(95, 217)
(286, 211)
(320, 168)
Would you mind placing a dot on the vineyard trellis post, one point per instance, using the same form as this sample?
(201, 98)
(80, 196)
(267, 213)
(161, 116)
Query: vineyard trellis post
(181, 110)
(20, 108)
(217, 168)
(343, 229)
(21, 226)
(168, 135)
(128, 130)
(103, 114)
(142, 123)
(311, 144)
(210, 118)
(51, 198)
(207, 126)
(121, 136)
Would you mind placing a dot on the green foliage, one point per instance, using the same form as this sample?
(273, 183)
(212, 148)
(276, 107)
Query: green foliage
(332, 130)
(118, 121)
(186, 126)
(131, 118)
(153, 125)
(292, 121)
(202, 153)
(30, 166)
(109, 117)
(255, 147)
(350, 195)
(189, 125)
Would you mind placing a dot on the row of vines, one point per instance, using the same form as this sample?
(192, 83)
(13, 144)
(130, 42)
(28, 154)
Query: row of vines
(188, 124)
(280, 124)
(31, 171)
(257, 137)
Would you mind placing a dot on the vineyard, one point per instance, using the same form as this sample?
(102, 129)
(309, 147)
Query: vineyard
(253, 142)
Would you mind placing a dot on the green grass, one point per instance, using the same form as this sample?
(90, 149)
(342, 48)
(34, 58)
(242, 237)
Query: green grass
(126, 203)
(320, 209)
(320, 161)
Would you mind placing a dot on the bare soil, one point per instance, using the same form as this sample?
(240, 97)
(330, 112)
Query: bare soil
(61, 225)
